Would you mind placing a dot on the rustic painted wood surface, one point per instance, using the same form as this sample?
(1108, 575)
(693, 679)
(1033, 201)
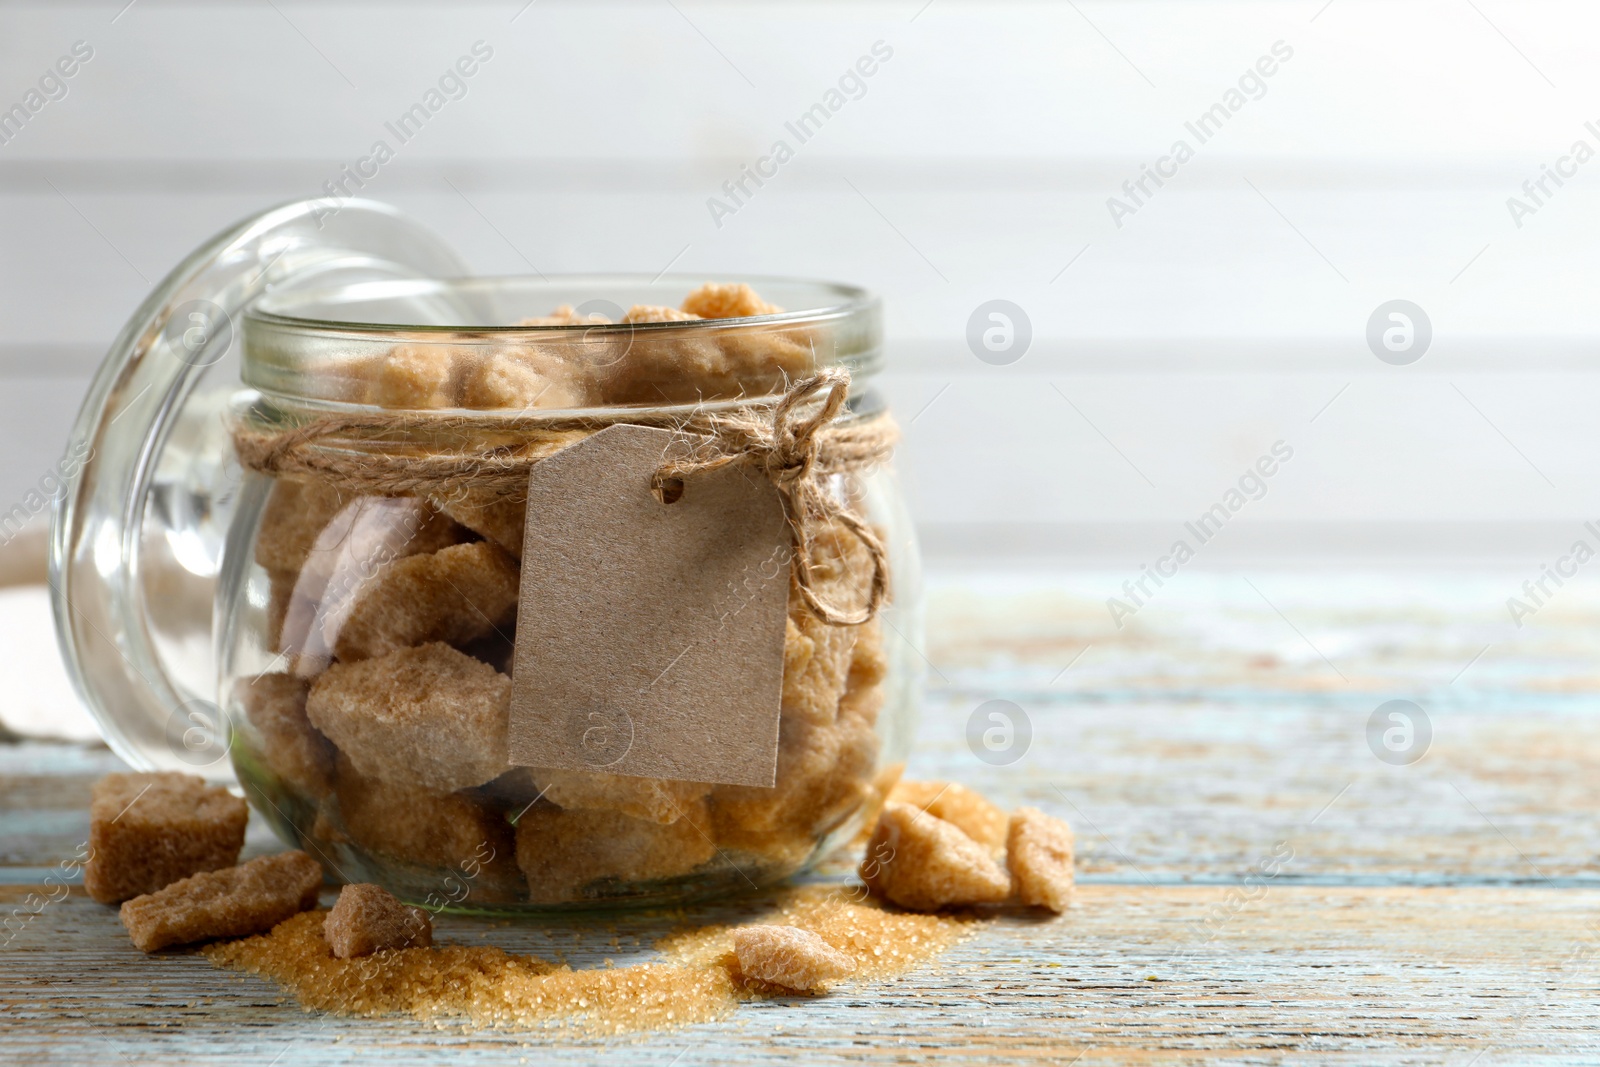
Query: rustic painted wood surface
(1446, 911)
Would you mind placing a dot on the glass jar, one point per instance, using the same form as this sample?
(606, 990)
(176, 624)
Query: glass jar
(302, 559)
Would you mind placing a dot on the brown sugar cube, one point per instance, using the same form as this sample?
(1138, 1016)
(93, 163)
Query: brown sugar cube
(955, 803)
(789, 956)
(684, 366)
(692, 365)
(676, 366)
(280, 596)
(455, 595)
(413, 376)
(465, 834)
(429, 717)
(816, 661)
(923, 863)
(822, 776)
(522, 379)
(149, 830)
(869, 661)
(233, 902)
(1039, 853)
(565, 315)
(366, 538)
(296, 511)
(492, 516)
(661, 800)
(293, 749)
(368, 918)
(825, 775)
(733, 300)
(841, 568)
(652, 313)
(762, 360)
(563, 851)
(883, 783)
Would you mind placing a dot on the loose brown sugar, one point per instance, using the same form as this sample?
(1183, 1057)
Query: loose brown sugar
(487, 986)
(483, 985)
(882, 941)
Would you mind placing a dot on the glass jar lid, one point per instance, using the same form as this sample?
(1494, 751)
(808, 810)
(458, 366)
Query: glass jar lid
(137, 534)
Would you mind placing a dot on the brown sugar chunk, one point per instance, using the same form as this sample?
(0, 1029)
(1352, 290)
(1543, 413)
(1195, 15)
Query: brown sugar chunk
(653, 313)
(455, 595)
(280, 595)
(296, 511)
(685, 365)
(790, 957)
(666, 366)
(149, 830)
(492, 516)
(841, 569)
(1039, 854)
(413, 376)
(430, 717)
(363, 540)
(731, 300)
(955, 803)
(869, 660)
(293, 749)
(233, 902)
(560, 852)
(522, 379)
(368, 918)
(756, 360)
(923, 863)
(565, 315)
(816, 661)
(660, 800)
(762, 360)
(824, 776)
(412, 826)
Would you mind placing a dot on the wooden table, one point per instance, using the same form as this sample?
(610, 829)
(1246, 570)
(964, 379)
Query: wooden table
(1441, 911)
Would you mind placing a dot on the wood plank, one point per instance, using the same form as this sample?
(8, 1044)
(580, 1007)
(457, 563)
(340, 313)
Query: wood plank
(1189, 793)
(1131, 974)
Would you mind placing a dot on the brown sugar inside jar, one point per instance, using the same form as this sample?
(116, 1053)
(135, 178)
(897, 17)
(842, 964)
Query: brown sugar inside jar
(371, 601)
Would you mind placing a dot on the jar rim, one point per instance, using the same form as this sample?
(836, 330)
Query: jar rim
(289, 309)
(319, 344)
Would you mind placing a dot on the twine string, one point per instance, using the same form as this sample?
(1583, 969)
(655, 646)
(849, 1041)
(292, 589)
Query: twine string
(414, 453)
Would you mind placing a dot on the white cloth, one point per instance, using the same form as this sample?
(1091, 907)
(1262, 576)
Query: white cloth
(39, 699)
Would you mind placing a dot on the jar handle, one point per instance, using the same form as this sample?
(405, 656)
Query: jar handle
(150, 485)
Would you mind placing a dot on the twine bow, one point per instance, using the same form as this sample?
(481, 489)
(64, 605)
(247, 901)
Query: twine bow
(786, 450)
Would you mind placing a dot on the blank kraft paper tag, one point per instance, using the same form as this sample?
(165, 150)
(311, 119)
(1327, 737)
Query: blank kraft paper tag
(650, 634)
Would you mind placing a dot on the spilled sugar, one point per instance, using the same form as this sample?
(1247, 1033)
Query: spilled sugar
(486, 986)
(882, 941)
(482, 985)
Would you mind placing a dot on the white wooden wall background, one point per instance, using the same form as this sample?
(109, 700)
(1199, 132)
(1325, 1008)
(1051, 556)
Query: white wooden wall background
(1225, 315)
